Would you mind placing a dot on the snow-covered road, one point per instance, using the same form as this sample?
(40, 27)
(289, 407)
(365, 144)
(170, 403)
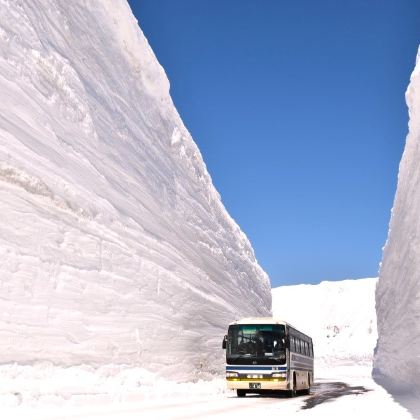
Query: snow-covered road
(347, 394)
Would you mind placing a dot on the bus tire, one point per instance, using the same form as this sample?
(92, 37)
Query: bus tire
(292, 392)
(240, 393)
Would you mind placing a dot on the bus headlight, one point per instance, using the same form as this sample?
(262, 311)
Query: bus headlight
(279, 375)
(231, 374)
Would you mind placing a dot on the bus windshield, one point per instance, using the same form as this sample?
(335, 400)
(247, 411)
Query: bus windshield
(256, 344)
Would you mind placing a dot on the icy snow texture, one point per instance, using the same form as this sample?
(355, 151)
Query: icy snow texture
(397, 358)
(114, 244)
(338, 315)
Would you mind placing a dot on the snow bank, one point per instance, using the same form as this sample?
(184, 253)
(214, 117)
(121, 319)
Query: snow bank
(338, 315)
(397, 357)
(45, 385)
(115, 247)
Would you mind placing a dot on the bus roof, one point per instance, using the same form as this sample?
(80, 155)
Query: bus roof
(259, 320)
(265, 320)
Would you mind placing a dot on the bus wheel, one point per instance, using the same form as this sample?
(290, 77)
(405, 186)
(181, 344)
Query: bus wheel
(292, 392)
(240, 393)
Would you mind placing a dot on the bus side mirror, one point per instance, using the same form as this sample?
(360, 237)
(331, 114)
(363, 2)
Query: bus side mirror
(224, 342)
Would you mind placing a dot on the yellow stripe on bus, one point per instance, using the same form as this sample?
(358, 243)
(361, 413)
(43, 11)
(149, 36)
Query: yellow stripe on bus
(256, 379)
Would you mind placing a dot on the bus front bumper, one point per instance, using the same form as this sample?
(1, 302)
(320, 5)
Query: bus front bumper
(254, 385)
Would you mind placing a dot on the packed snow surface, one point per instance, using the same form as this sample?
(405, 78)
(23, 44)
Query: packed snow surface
(338, 315)
(397, 358)
(115, 247)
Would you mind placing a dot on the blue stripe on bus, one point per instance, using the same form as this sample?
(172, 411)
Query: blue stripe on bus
(256, 367)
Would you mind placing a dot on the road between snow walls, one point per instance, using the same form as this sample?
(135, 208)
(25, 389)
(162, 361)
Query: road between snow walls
(121, 268)
(343, 385)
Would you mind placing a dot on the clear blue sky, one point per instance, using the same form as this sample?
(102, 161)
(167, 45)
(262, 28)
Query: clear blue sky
(298, 109)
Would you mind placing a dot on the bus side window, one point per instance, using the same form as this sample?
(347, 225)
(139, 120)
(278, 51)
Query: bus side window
(306, 348)
(292, 343)
(298, 345)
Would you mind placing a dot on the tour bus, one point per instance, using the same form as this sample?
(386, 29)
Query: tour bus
(265, 355)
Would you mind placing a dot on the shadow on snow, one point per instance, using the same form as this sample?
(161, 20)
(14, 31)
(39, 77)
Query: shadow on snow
(327, 391)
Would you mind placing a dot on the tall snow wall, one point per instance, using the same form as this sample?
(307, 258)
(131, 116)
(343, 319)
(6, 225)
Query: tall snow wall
(397, 356)
(115, 247)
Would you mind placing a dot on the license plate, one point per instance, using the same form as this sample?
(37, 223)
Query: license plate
(253, 385)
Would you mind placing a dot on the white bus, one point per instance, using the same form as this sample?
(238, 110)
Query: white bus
(265, 355)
